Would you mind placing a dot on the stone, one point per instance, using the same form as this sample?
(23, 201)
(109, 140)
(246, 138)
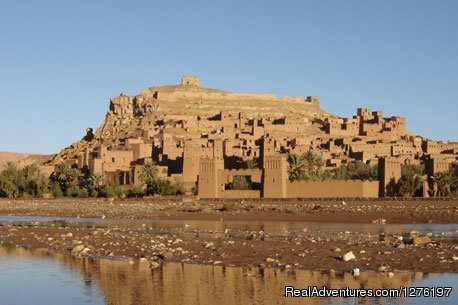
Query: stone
(382, 268)
(421, 240)
(270, 260)
(78, 249)
(348, 256)
(401, 246)
(356, 272)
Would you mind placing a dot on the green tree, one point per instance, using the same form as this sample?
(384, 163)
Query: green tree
(454, 174)
(12, 181)
(358, 170)
(96, 180)
(251, 164)
(313, 163)
(442, 184)
(149, 175)
(296, 169)
(411, 182)
(67, 177)
(410, 185)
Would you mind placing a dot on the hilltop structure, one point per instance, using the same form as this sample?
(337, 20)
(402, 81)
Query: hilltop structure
(203, 137)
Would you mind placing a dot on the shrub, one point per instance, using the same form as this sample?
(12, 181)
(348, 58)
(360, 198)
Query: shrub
(55, 190)
(136, 192)
(165, 187)
(107, 192)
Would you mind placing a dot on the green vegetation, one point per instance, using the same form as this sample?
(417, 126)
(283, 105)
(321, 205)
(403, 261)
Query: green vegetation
(355, 170)
(24, 182)
(309, 167)
(66, 181)
(251, 164)
(445, 184)
(155, 185)
(411, 182)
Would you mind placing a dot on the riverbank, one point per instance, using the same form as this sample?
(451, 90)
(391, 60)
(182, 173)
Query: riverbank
(219, 233)
(336, 211)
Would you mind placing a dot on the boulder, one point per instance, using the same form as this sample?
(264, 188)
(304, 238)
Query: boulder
(421, 240)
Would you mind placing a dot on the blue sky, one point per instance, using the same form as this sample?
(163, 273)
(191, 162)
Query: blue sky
(61, 61)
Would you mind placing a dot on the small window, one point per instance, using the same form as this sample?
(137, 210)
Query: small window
(113, 160)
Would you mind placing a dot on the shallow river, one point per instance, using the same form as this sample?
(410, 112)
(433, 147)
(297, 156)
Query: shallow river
(273, 228)
(41, 278)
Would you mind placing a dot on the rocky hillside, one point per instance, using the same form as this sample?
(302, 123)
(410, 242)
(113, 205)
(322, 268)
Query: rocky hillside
(133, 116)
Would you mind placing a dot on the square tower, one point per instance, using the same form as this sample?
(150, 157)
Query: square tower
(190, 81)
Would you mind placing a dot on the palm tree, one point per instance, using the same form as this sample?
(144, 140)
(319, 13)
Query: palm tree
(410, 185)
(296, 170)
(251, 164)
(96, 180)
(442, 182)
(313, 162)
(30, 170)
(67, 176)
(149, 173)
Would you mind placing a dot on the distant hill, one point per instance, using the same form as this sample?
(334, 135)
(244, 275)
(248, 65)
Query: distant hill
(6, 157)
(22, 160)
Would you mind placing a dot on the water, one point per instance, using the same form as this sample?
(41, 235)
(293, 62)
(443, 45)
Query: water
(42, 278)
(274, 228)
(28, 280)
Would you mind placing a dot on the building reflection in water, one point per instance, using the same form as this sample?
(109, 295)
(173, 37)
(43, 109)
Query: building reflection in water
(124, 283)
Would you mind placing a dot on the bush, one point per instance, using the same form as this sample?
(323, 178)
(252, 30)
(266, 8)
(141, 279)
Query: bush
(120, 193)
(107, 192)
(165, 187)
(136, 192)
(55, 190)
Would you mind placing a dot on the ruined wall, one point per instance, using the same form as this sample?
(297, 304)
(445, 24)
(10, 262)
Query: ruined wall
(330, 189)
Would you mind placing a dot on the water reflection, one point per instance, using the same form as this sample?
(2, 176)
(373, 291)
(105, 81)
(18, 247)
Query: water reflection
(124, 283)
(30, 279)
(274, 228)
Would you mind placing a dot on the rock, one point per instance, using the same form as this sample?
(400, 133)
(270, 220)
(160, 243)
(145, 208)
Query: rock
(78, 249)
(414, 233)
(455, 258)
(270, 260)
(401, 246)
(382, 268)
(348, 256)
(356, 272)
(336, 249)
(208, 244)
(362, 251)
(421, 240)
